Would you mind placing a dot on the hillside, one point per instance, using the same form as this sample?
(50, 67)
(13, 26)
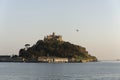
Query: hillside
(53, 47)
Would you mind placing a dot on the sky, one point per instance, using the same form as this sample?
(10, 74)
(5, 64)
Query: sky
(27, 21)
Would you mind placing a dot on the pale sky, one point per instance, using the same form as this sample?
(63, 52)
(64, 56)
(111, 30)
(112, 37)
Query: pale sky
(27, 21)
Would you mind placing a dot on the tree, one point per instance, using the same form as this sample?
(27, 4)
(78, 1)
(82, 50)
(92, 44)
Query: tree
(27, 46)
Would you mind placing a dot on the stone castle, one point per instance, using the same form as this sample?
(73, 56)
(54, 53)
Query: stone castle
(53, 37)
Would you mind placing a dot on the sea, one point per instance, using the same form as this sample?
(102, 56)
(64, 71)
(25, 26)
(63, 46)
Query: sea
(103, 70)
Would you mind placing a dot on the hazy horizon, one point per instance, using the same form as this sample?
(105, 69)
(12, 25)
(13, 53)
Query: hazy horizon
(27, 21)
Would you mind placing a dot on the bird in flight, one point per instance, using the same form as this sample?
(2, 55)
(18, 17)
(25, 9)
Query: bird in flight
(77, 30)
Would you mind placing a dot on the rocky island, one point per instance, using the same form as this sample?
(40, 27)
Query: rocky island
(54, 49)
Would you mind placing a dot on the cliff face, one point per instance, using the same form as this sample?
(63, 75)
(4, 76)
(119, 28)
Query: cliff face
(55, 48)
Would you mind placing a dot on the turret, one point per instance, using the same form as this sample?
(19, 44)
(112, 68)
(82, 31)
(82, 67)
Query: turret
(53, 37)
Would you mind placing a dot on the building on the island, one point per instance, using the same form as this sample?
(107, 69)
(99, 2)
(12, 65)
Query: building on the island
(52, 59)
(57, 60)
(71, 59)
(45, 59)
(53, 37)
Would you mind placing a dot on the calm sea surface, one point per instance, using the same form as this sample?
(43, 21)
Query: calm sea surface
(60, 71)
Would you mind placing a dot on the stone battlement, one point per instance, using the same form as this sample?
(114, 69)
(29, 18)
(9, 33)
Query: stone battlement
(53, 37)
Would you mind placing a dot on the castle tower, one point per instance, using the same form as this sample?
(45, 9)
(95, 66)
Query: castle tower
(53, 33)
(53, 37)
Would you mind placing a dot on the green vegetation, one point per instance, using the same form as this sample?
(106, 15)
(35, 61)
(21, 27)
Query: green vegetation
(54, 48)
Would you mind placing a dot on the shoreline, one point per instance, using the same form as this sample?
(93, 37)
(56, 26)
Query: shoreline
(41, 62)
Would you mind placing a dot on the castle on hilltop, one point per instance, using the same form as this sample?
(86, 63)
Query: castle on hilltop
(53, 37)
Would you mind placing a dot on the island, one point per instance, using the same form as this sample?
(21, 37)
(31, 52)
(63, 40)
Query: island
(52, 49)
